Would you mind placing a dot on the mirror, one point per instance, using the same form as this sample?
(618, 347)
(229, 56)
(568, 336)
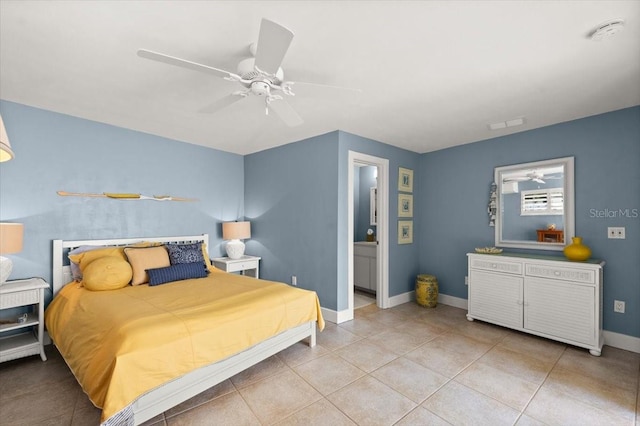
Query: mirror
(535, 204)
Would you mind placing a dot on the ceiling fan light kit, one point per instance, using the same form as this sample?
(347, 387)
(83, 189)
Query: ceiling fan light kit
(260, 76)
(607, 29)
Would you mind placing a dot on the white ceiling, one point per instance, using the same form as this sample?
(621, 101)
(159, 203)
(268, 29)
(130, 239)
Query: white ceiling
(433, 74)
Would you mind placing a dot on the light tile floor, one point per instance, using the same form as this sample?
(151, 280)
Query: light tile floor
(403, 366)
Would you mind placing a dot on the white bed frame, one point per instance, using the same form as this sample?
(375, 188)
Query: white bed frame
(179, 390)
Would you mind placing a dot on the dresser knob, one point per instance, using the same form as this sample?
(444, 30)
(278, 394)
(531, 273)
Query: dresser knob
(556, 273)
(493, 265)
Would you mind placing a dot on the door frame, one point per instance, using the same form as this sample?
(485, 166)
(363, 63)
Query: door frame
(382, 264)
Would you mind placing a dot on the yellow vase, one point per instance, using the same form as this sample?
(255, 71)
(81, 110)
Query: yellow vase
(576, 250)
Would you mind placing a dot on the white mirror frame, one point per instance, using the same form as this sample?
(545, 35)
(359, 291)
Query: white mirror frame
(569, 205)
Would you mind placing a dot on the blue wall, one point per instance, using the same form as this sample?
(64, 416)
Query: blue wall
(291, 198)
(453, 190)
(59, 152)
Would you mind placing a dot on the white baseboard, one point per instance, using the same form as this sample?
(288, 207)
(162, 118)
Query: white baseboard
(402, 298)
(336, 317)
(621, 341)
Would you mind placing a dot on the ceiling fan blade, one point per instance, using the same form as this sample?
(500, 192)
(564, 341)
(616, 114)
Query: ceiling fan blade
(273, 43)
(183, 63)
(221, 104)
(286, 113)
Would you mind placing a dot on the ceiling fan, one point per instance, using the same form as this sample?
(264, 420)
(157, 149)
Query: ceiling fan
(260, 75)
(534, 175)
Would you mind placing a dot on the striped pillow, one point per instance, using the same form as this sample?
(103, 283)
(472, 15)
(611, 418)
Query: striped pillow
(181, 271)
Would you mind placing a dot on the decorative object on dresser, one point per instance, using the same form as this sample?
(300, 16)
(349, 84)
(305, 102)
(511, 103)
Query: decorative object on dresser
(6, 153)
(10, 242)
(234, 232)
(577, 251)
(246, 265)
(17, 293)
(543, 295)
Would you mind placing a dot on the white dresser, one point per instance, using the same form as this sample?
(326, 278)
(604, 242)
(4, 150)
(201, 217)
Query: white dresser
(543, 295)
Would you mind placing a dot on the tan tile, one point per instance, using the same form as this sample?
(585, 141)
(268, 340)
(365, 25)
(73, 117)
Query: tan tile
(228, 410)
(389, 318)
(594, 392)
(329, 373)
(397, 341)
(63, 419)
(319, 413)
(86, 416)
(518, 364)
(267, 368)
(616, 367)
(536, 347)
(557, 408)
(158, 420)
(211, 393)
(481, 331)
(525, 420)
(300, 353)
(498, 384)
(422, 330)
(448, 354)
(278, 397)
(409, 309)
(335, 337)
(51, 400)
(410, 379)
(461, 405)
(421, 416)
(366, 310)
(364, 327)
(366, 356)
(369, 402)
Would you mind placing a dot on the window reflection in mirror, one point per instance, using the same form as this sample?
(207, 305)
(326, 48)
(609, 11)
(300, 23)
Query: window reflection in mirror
(535, 204)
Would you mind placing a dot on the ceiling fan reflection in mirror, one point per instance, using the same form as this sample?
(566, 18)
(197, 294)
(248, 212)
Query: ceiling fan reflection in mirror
(260, 75)
(533, 175)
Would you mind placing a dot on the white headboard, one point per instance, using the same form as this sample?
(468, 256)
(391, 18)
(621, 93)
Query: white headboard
(62, 273)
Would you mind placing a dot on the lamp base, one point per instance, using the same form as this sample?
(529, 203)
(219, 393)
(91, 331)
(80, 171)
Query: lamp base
(235, 249)
(6, 265)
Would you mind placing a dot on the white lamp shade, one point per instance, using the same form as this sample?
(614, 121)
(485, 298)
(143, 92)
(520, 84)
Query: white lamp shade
(10, 242)
(6, 153)
(236, 230)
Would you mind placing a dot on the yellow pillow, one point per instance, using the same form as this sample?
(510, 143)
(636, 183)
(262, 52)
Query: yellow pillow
(106, 273)
(207, 261)
(142, 259)
(87, 257)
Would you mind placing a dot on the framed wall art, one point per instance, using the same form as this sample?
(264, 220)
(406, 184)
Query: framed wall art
(405, 232)
(405, 205)
(405, 179)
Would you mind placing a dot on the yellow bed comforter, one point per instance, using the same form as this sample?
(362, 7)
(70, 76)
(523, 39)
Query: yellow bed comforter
(121, 344)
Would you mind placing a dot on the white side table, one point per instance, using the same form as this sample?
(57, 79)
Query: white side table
(247, 265)
(16, 293)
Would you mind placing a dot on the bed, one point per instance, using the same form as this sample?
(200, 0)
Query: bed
(141, 349)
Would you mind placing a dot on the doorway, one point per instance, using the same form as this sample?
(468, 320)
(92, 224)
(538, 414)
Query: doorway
(381, 165)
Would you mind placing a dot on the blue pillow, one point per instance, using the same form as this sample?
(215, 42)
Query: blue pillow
(185, 253)
(182, 271)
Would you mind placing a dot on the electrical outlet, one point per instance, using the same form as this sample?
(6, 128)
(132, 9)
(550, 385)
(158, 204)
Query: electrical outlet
(466, 280)
(294, 280)
(618, 306)
(616, 232)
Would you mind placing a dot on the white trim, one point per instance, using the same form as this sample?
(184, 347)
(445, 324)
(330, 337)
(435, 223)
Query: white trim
(621, 341)
(402, 298)
(382, 288)
(456, 302)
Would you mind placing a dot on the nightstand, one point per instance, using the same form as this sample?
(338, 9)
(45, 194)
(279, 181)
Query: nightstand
(13, 294)
(247, 265)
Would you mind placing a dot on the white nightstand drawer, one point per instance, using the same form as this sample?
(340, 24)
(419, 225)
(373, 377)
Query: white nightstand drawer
(241, 266)
(11, 300)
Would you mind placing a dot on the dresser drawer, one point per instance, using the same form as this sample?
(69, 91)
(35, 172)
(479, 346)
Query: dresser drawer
(497, 265)
(20, 298)
(560, 273)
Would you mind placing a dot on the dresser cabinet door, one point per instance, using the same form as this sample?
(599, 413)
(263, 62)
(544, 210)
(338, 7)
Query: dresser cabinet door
(496, 298)
(561, 309)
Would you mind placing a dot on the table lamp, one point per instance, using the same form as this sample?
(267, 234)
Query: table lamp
(6, 153)
(10, 242)
(234, 232)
